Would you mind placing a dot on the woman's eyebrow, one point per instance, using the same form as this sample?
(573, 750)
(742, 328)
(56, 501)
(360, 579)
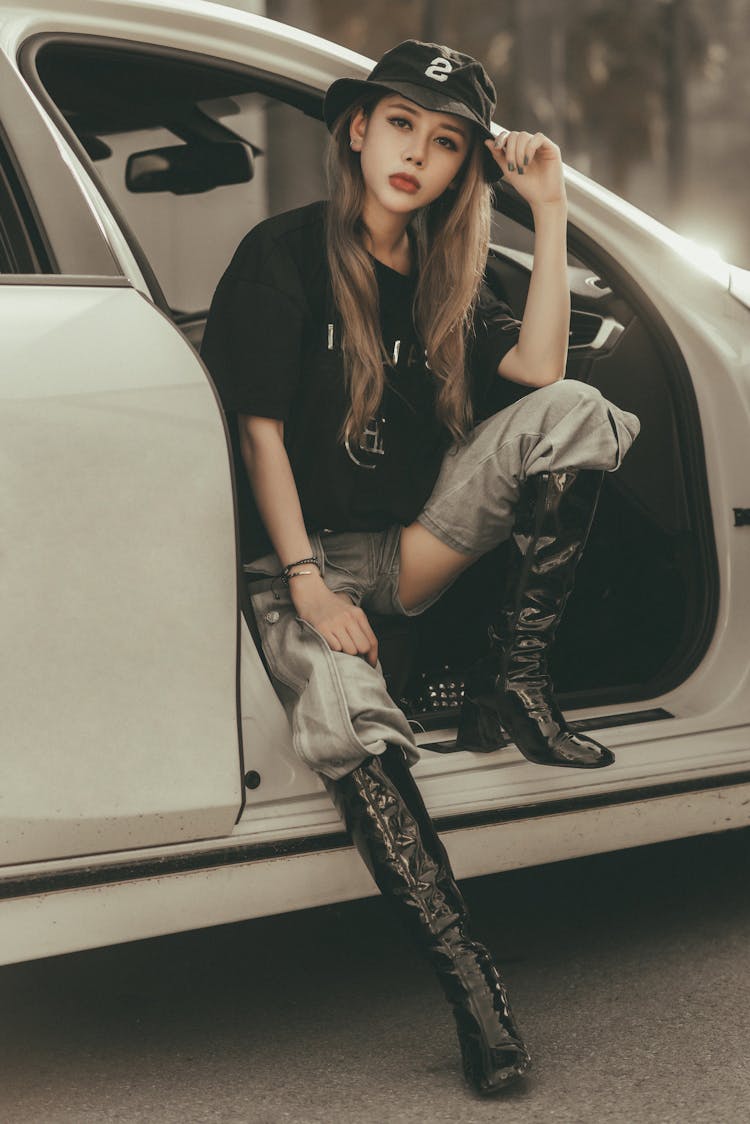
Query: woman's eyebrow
(443, 125)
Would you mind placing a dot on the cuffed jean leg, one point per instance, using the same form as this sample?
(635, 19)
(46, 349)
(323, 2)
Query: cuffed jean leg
(338, 706)
(567, 425)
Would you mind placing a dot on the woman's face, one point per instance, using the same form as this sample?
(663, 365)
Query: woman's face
(400, 139)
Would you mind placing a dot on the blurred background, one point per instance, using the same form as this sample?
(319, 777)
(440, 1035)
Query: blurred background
(648, 97)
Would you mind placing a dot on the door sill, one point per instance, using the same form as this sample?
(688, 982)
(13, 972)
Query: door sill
(598, 722)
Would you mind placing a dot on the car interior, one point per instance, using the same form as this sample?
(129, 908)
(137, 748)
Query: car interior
(645, 600)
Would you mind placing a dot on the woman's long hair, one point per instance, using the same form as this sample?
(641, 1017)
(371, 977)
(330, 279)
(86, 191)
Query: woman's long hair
(451, 236)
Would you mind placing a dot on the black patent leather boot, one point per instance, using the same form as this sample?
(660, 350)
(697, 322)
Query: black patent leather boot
(392, 830)
(510, 688)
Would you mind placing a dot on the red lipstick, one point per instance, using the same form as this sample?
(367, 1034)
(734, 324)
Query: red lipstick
(403, 182)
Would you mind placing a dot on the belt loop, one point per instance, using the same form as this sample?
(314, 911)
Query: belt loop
(393, 561)
(374, 540)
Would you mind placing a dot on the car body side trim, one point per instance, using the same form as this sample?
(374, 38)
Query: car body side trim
(55, 280)
(422, 723)
(46, 882)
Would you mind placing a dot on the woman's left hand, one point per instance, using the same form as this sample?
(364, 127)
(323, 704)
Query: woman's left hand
(534, 165)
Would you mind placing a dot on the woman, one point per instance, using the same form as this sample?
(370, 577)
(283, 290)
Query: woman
(356, 347)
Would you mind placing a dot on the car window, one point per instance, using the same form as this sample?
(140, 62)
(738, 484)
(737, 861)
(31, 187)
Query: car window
(160, 130)
(191, 155)
(21, 249)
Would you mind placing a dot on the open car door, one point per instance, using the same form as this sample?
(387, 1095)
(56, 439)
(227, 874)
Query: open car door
(118, 569)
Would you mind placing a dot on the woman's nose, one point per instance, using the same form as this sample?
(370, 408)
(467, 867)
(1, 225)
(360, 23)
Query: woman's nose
(415, 150)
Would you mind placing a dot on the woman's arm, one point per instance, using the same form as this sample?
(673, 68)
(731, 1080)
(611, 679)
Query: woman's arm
(540, 355)
(533, 164)
(344, 626)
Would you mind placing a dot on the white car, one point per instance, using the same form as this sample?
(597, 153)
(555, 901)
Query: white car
(148, 780)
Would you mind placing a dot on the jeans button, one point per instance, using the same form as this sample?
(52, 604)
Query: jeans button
(272, 616)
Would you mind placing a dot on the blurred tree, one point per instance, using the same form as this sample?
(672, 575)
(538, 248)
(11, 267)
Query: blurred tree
(628, 65)
(369, 27)
(432, 21)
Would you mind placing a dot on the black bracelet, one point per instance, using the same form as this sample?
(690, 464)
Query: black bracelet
(302, 562)
(285, 574)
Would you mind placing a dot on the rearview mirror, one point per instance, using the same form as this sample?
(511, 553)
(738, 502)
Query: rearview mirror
(188, 169)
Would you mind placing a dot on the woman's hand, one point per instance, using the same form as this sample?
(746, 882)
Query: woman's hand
(334, 615)
(534, 163)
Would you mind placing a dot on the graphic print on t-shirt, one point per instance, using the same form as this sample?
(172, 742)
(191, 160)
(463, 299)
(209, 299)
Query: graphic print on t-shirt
(396, 294)
(370, 442)
(267, 347)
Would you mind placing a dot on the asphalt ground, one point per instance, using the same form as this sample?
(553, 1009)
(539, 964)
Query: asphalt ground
(629, 975)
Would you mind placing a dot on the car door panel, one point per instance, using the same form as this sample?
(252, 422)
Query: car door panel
(117, 580)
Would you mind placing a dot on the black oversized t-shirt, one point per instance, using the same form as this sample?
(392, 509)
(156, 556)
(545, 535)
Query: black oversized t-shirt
(272, 345)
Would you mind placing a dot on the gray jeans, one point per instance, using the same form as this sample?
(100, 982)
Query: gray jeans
(338, 706)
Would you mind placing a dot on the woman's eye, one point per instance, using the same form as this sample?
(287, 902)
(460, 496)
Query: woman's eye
(399, 121)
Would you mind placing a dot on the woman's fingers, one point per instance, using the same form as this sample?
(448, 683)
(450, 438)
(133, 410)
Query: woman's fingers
(356, 623)
(344, 640)
(501, 139)
(353, 634)
(352, 641)
(510, 151)
(520, 140)
(344, 626)
(499, 146)
(363, 644)
(536, 142)
(371, 654)
(539, 140)
(518, 148)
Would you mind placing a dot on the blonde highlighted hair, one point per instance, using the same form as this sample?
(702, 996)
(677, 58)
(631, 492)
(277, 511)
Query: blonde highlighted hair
(451, 238)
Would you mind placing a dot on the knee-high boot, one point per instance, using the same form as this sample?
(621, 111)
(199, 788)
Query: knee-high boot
(392, 830)
(510, 686)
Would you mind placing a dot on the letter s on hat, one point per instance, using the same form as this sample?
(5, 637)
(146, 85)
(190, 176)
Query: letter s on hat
(439, 69)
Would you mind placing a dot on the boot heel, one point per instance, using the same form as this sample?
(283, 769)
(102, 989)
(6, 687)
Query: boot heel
(479, 727)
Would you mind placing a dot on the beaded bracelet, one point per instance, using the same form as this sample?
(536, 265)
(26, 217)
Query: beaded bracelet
(285, 575)
(302, 562)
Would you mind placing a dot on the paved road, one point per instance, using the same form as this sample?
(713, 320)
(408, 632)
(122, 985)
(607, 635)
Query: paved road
(629, 974)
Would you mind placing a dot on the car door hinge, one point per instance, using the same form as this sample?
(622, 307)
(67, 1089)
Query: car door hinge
(741, 516)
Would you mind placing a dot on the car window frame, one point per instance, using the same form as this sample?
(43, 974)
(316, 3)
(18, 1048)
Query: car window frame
(306, 98)
(21, 243)
(51, 193)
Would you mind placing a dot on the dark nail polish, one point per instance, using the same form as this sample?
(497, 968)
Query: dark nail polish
(525, 159)
(511, 168)
(520, 171)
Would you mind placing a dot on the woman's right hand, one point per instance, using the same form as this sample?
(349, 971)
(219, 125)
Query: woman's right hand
(334, 615)
(344, 626)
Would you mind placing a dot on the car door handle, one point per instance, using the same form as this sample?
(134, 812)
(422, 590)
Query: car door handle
(591, 332)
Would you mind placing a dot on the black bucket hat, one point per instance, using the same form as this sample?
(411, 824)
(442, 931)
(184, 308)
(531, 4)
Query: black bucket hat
(433, 76)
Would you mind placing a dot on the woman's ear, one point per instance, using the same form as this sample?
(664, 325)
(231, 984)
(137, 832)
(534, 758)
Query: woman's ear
(357, 129)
